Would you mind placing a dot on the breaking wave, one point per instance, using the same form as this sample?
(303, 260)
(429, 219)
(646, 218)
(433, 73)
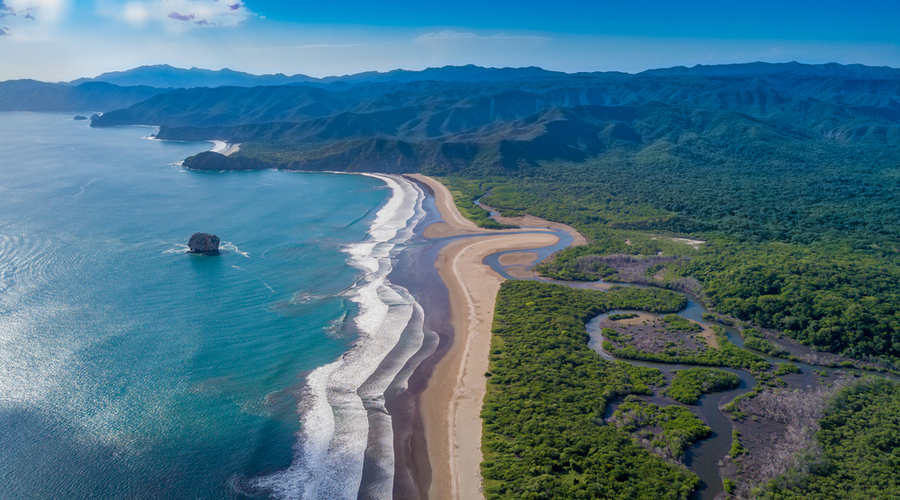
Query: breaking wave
(346, 441)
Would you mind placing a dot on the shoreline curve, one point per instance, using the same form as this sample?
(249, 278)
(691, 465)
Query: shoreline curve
(451, 402)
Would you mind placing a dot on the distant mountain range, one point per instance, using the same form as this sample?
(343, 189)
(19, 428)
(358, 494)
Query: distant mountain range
(165, 76)
(453, 118)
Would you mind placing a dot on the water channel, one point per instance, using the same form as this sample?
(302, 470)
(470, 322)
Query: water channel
(703, 458)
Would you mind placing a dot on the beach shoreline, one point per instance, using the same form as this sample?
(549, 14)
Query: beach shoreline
(225, 148)
(450, 404)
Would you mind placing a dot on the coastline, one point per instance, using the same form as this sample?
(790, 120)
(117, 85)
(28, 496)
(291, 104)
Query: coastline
(345, 447)
(451, 402)
(225, 148)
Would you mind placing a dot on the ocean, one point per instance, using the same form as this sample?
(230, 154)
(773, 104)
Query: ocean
(130, 369)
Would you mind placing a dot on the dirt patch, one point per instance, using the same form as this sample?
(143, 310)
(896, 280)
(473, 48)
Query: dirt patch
(710, 337)
(775, 426)
(649, 333)
(630, 268)
(641, 319)
(695, 244)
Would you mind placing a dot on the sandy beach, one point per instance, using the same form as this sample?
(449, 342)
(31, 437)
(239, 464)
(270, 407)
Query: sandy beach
(451, 402)
(225, 148)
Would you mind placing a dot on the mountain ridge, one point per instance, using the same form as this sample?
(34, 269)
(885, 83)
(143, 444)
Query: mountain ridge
(519, 123)
(166, 76)
(499, 119)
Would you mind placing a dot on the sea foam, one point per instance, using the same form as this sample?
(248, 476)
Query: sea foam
(346, 431)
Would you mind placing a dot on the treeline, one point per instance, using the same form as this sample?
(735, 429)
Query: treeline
(832, 299)
(802, 191)
(547, 394)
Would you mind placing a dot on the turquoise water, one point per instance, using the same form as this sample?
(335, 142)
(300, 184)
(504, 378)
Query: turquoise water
(130, 369)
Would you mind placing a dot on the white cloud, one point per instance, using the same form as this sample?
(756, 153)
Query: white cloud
(31, 20)
(177, 13)
(451, 36)
(135, 13)
(445, 35)
(33, 10)
(306, 46)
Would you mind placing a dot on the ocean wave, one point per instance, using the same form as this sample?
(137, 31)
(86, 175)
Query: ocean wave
(231, 247)
(346, 432)
(303, 298)
(179, 248)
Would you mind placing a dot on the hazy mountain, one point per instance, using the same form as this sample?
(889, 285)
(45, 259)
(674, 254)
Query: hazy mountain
(791, 68)
(31, 95)
(165, 76)
(509, 119)
(455, 117)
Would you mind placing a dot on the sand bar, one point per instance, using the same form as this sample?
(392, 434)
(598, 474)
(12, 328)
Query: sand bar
(518, 258)
(451, 403)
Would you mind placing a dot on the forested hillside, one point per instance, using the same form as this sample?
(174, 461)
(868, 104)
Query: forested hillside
(509, 122)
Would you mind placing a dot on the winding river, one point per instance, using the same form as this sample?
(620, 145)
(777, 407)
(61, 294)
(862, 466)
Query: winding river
(702, 459)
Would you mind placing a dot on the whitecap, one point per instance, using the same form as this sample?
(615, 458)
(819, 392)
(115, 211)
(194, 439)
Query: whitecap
(345, 427)
(179, 248)
(231, 247)
(303, 298)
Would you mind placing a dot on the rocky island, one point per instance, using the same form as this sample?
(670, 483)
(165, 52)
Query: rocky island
(204, 244)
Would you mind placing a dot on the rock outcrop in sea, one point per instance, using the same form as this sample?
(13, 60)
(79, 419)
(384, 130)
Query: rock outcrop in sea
(204, 243)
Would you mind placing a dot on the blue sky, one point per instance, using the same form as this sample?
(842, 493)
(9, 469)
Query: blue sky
(56, 40)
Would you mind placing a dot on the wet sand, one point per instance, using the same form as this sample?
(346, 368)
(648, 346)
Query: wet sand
(518, 258)
(451, 402)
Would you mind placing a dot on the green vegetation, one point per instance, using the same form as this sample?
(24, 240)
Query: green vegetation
(571, 266)
(736, 448)
(830, 298)
(465, 192)
(859, 439)
(753, 340)
(786, 368)
(718, 318)
(680, 427)
(727, 354)
(688, 385)
(544, 435)
(728, 485)
(676, 323)
(621, 316)
(799, 243)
